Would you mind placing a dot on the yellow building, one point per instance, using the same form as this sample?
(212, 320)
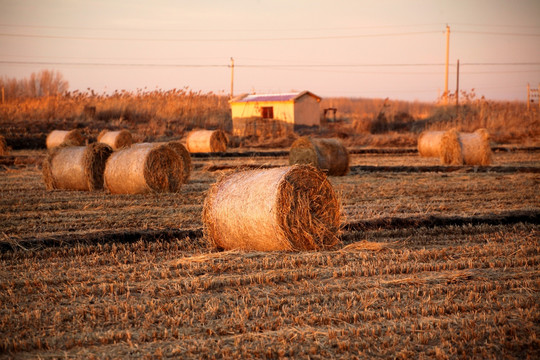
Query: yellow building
(274, 114)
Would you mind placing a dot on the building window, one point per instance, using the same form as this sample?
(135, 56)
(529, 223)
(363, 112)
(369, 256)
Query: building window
(268, 112)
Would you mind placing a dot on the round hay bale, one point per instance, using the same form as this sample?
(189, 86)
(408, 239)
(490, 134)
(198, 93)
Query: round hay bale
(286, 208)
(450, 149)
(115, 139)
(4, 149)
(58, 137)
(76, 167)
(326, 154)
(475, 147)
(429, 143)
(181, 150)
(206, 141)
(144, 168)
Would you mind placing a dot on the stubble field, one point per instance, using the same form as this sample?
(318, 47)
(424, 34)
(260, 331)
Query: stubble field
(434, 262)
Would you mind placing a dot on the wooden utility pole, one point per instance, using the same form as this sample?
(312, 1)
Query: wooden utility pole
(457, 85)
(445, 94)
(232, 77)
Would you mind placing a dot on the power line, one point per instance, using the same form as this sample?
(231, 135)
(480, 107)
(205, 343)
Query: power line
(327, 37)
(495, 33)
(16, 62)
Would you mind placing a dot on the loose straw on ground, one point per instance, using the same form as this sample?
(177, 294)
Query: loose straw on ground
(326, 154)
(287, 208)
(115, 139)
(76, 167)
(144, 168)
(206, 141)
(58, 137)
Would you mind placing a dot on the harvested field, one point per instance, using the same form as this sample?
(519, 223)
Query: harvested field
(431, 264)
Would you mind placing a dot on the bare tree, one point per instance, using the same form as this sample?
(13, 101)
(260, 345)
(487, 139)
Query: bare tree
(43, 83)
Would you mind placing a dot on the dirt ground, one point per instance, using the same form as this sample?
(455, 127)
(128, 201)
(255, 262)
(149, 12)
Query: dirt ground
(433, 262)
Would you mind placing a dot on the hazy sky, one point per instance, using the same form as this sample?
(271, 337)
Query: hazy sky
(380, 48)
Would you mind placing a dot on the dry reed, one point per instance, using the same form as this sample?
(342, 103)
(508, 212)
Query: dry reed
(4, 149)
(115, 139)
(76, 167)
(326, 154)
(206, 141)
(429, 143)
(144, 168)
(58, 137)
(287, 208)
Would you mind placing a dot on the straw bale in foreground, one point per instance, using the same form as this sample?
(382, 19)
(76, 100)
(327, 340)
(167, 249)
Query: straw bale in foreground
(76, 167)
(70, 138)
(429, 143)
(115, 139)
(286, 208)
(144, 168)
(326, 154)
(206, 141)
(4, 149)
(181, 150)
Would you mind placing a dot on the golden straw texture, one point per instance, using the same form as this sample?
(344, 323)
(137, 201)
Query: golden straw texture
(76, 167)
(429, 143)
(475, 147)
(287, 208)
(58, 137)
(4, 149)
(206, 141)
(115, 139)
(326, 154)
(144, 168)
(450, 148)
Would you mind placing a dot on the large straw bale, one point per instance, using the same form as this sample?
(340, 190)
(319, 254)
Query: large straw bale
(144, 168)
(180, 150)
(115, 139)
(206, 141)
(459, 148)
(4, 149)
(76, 167)
(475, 147)
(71, 138)
(326, 154)
(286, 208)
(429, 143)
(450, 148)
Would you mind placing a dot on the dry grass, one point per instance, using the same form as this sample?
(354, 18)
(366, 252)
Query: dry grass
(452, 291)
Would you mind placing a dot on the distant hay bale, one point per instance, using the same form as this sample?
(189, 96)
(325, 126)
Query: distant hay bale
(115, 139)
(475, 147)
(58, 137)
(465, 148)
(286, 208)
(144, 168)
(4, 149)
(206, 141)
(429, 143)
(450, 148)
(326, 154)
(76, 167)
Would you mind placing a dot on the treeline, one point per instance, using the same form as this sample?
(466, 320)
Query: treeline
(43, 83)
